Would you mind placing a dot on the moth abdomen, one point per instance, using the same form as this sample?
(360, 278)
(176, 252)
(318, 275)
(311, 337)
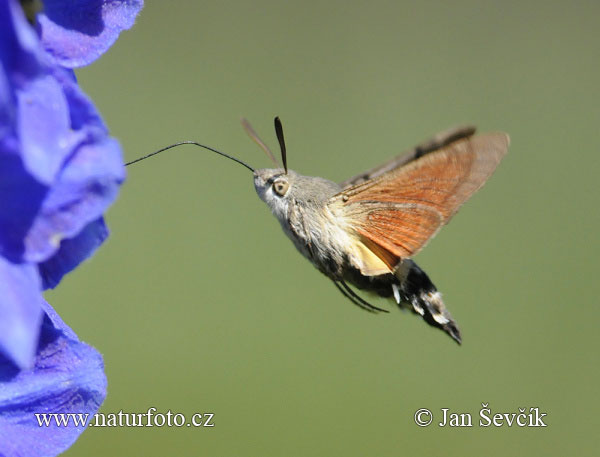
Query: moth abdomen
(415, 288)
(411, 288)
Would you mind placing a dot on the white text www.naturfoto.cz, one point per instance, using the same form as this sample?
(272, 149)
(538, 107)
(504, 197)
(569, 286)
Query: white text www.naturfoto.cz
(121, 419)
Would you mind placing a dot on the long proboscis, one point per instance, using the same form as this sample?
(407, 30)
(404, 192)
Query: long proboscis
(241, 162)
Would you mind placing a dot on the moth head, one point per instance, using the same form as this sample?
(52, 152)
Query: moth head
(275, 187)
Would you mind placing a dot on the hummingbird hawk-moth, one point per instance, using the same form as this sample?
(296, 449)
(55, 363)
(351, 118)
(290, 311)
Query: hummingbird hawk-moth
(364, 231)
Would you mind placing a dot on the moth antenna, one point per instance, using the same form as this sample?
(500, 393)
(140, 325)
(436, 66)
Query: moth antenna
(252, 134)
(241, 162)
(279, 132)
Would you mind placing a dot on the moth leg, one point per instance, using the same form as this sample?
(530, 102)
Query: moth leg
(354, 298)
(345, 294)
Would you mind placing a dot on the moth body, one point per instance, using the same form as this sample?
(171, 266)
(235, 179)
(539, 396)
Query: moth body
(330, 242)
(365, 230)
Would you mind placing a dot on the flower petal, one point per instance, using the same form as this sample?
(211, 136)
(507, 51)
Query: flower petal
(72, 252)
(87, 185)
(68, 377)
(44, 127)
(19, 45)
(82, 111)
(21, 197)
(20, 311)
(77, 33)
(20, 56)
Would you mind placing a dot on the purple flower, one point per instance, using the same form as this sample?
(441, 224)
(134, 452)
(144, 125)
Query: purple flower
(59, 171)
(67, 377)
(76, 33)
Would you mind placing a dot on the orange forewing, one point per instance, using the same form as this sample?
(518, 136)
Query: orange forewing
(399, 229)
(401, 210)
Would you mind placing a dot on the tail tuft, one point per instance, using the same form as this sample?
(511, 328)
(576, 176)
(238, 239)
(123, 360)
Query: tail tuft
(415, 288)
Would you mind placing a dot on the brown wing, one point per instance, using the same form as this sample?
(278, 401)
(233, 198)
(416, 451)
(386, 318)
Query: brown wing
(399, 211)
(433, 144)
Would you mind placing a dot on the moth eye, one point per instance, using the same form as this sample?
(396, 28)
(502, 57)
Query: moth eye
(281, 187)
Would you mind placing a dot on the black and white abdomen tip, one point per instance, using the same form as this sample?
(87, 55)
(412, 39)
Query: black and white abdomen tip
(415, 287)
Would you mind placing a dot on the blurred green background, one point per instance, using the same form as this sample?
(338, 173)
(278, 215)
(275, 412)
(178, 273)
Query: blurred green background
(199, 303)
